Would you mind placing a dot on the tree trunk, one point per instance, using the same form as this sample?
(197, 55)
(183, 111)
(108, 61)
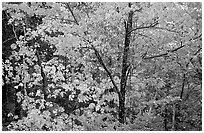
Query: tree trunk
(125, 66)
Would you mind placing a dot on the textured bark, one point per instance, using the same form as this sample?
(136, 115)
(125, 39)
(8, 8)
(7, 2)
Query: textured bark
(125, 66)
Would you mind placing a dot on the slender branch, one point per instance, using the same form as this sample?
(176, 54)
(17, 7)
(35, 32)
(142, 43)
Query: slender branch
(176, 49)
(14, 32)
(152, 26)
(98, 56)
(143, 27)
(72, 14)
(182, 88)
(184, 75)
(8, 40)
(190, 61)
(102, 63)
(13, 28)
(164, 54)
(155, 56)
(196, 37)
(106, 69)
(138, 10)
(166, 29)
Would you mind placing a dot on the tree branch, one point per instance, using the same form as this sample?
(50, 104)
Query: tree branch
(164, 54)
(190, 61)
(152, 26)
(8, 40)
(106, 69)
(102, 63)
(72, 14)
(174, 50)
(144, 27)
(183, 85)
(166, 29)
(196, 37)
(13, 28)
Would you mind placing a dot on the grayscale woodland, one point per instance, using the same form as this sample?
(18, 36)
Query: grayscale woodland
(96, 66)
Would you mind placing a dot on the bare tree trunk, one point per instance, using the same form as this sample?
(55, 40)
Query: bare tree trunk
(125, 66)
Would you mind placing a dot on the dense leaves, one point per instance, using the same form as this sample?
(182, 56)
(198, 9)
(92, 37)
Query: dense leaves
(102, 66)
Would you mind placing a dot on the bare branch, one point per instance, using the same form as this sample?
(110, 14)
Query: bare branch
(14, 32)
(174, 50)
(106, 69)
(165, 29)
(183, 85)
(153, 26)
(143, 27)
(103, 65)
(190, 61)
(13, 28)
(164, 54)
(195, 37)
(72, 14)
(8, 40)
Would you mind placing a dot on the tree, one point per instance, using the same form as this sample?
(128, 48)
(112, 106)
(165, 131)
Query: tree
(103, 66)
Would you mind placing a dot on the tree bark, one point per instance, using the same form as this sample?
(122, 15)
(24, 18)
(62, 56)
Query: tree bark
(125, 65)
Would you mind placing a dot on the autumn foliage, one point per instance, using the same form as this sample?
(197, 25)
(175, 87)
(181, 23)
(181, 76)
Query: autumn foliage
(70, 66)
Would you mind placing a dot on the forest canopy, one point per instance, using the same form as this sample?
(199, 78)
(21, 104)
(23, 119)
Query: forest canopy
(125, 66)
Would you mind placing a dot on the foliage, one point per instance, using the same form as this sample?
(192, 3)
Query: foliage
(67, 64)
